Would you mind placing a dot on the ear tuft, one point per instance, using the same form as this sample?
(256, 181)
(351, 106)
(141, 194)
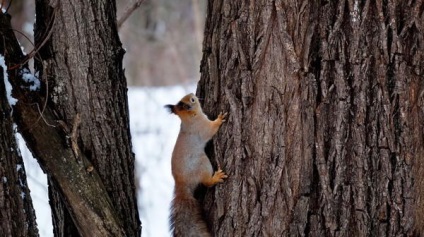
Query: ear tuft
(170, 108)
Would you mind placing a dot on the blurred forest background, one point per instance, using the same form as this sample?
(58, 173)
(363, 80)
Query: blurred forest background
(163, 38)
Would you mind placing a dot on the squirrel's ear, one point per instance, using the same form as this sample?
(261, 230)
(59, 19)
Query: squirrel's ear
(170, 108)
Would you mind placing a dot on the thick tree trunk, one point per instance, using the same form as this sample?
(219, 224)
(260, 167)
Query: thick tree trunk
(80, 136)
(325, 133)
(16, 211)
(83, 62)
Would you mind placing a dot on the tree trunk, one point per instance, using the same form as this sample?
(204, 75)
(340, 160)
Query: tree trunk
(325, 133)
(80, 136)
(16, 211)
(83, 61)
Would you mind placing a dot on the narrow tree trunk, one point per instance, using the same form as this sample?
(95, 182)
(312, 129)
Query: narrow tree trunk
(325, 134)
(16, 210)
(17, 217)
(83, 62)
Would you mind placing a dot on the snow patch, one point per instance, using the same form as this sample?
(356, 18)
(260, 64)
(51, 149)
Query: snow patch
(33, 80)
(10, 99)
(37, 183)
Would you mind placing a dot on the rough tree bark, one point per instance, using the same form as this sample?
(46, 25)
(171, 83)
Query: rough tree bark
(80, 136)
(83, 58)
(16, 211)
(326, 126)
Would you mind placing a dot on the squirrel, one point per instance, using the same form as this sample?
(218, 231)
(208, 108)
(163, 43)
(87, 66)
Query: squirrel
(191, 166)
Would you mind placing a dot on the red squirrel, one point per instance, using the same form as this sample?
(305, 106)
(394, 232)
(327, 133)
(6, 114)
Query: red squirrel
(191, 166)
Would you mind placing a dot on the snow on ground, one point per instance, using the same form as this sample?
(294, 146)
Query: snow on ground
(154, 131)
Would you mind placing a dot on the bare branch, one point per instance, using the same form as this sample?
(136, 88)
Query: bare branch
(128, 12)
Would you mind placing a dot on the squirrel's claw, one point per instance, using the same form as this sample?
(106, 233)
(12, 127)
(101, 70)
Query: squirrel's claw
(222, 116)
(219, 176)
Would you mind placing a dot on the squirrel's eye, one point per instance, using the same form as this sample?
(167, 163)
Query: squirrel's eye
(192, 100)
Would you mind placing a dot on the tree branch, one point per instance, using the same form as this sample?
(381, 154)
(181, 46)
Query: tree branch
(128, 12)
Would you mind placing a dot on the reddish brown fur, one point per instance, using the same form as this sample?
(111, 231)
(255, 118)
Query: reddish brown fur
(191, 166)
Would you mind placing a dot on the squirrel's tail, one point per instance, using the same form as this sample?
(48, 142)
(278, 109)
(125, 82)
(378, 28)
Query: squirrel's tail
(186, 216)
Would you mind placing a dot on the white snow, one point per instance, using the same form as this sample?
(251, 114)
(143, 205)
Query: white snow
(12, 101)
(37, 183)
(28, 77)
(154, 131)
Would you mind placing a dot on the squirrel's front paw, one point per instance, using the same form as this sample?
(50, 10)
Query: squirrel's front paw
(222, 116)
(219, 176)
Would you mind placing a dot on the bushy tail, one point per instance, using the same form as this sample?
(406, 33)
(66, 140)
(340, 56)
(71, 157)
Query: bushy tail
(186, 217)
